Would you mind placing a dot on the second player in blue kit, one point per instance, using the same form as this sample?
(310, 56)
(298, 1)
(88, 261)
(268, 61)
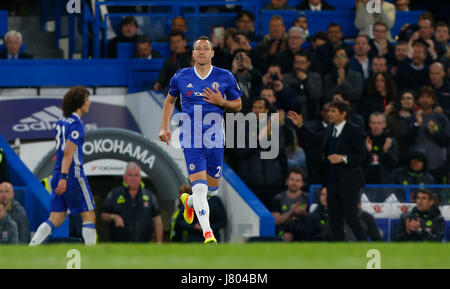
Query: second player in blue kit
(205, 91)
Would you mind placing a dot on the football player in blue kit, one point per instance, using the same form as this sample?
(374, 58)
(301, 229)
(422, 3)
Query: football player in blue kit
(205, 91)
(70, 188)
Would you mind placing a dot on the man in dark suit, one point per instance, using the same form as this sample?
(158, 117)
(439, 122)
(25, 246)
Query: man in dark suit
(13, 41)
(342, 155)
(314, 5)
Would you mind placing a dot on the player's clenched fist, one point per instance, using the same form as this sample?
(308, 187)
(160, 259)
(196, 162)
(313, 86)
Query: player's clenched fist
(165, 136)
(62, 186)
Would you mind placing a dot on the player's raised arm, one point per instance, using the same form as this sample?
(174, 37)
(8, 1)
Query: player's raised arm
(169, 105)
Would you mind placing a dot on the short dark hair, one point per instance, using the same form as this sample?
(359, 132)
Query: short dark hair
(176, 32)
(73, 100)
(426, 192)
(297, 170)
(333, 24)
(245, 12)
(266, 102)
(378, 23)
(364, 36)
(341, 106)
(128, 20)
(427, 90)
(143, 39)
(241, 50)
(320, 35)
(203, 37)
(441, 24)
(303, 54)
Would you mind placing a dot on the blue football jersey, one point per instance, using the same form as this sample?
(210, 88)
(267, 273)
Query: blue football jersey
(205, 118)
(69, 128)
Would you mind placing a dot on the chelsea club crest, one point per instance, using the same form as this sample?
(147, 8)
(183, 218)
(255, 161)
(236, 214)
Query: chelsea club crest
(215, 85)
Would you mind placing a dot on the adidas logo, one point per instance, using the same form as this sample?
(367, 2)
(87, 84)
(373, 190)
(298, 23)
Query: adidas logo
(189, 85)
(39, 121)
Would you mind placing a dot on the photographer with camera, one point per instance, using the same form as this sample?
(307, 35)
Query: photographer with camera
(286, 97)
(247, 77)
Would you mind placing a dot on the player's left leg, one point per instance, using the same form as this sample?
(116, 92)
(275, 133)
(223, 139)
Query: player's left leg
(46, 228)
(82, 202)
(88, 228)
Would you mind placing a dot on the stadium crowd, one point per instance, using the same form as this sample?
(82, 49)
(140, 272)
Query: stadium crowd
(398, 87)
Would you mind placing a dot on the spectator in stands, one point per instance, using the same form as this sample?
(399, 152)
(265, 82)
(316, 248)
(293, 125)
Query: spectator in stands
(290, 209)
(395, 119)
(15, 211)
(380, 44)
(361, 62)
(274, 42)
(4, 175)
(415, 172)
(355, 118)
(302, 22)
(306, 84)
(263, 176)
(366, 19)
(179, 23)
(325, 53)
(286, 97)
(400, 55)
(242, 41)
(222, 56)
(245, 21)
(314, 5)
(441, 87)
(413, 73)
(441, 33)
(144, 48)
(369, 224)
(248, 78)
(176, 231)
(320, 38)
(342, 77)
(423, 223)
(319, 217)
(193, 232)
(132, 211)
(181, 57)
(8, 227)
(380, 94)
(425, 33)
(379, 64)
(402, 5)
(13, 41)
(128, 29)
(429, 130)
(278, 5)
(312, 146)
(295, 40)
(381, 151)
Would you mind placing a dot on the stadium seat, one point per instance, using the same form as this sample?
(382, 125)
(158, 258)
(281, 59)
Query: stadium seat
(393, 226)
(383, 224)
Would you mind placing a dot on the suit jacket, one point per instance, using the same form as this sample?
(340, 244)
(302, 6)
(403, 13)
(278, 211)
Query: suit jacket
(350, 176)
(305, 6)
(22, 55)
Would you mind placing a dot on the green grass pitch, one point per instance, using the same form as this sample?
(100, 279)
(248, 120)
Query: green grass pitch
(229, 256)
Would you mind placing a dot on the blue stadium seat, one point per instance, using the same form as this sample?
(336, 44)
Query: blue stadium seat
(383, 224)
(3, 22)
(393, 226)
